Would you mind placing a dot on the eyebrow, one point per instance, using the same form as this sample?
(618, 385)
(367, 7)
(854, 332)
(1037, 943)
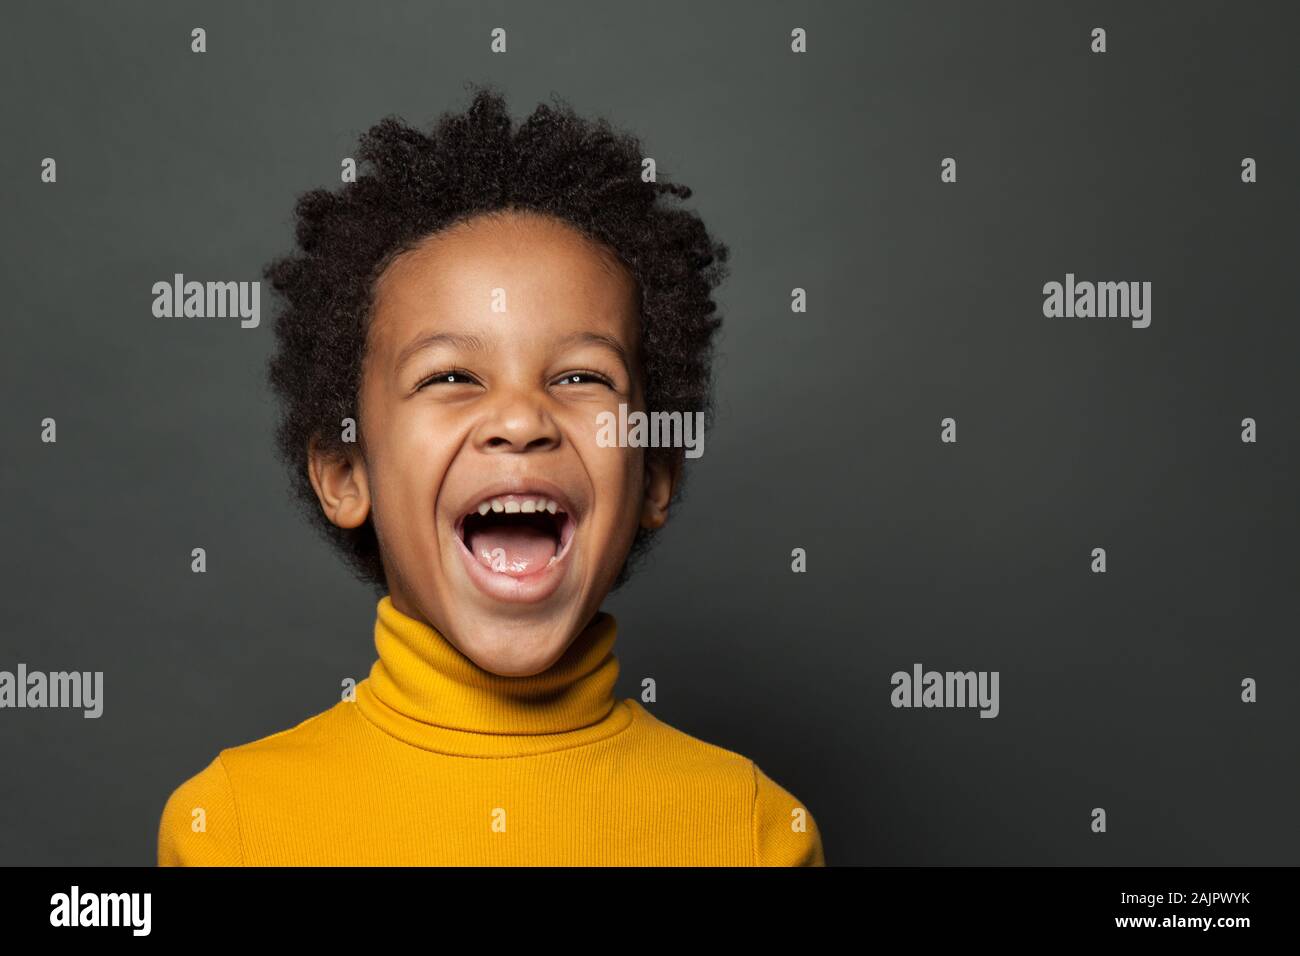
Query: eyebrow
(473, 343)
(606, 341)
(470, 343)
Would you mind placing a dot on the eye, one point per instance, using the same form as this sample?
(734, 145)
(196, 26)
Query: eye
(585, 378)
(451, 376)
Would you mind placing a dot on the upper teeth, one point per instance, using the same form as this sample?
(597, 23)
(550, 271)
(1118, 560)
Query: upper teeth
(527, 506)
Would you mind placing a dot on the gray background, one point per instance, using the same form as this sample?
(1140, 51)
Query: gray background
(821, 171)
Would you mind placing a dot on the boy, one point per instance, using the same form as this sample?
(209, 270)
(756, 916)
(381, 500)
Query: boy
(455, 322)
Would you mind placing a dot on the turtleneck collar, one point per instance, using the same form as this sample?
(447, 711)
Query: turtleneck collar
(423, 690)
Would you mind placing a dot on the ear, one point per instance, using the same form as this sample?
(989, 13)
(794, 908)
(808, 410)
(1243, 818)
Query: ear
(339, 478)
(661, 477)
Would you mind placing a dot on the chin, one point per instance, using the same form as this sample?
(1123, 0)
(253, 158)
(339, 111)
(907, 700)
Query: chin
(514, 648)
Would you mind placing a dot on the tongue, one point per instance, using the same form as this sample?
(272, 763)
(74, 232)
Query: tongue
(513, 549)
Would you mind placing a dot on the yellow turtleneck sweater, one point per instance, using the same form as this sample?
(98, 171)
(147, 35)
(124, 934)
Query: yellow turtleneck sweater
(438, 762)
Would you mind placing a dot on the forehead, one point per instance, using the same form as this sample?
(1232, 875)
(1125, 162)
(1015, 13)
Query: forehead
(548, 275)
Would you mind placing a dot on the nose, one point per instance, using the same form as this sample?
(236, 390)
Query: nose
(517, 421)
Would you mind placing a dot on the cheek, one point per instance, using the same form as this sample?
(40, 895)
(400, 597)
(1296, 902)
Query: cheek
(409, 460)
(615, 473)
(619, 483)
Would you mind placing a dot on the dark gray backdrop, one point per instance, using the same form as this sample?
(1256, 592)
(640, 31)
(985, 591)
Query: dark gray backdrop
(821, 171)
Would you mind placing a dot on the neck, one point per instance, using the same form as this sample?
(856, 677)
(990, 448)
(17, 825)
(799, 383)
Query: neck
(424, 690)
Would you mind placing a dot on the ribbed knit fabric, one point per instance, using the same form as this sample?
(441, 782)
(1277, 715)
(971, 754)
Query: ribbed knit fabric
(438, 762)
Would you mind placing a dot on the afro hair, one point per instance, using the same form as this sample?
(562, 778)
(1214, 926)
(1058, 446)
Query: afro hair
(410, 185)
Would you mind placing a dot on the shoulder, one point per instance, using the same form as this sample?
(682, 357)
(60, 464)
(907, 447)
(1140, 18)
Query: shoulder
(782, 829)
(200, 824)
(785, 833)
(200, 819)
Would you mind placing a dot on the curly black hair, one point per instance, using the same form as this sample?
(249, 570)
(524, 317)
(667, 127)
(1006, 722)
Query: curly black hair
(411, 184)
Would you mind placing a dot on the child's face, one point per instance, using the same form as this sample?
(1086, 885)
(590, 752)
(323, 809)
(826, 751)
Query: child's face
(516, 308)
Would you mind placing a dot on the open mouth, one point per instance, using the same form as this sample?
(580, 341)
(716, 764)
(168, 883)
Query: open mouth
(516, 534)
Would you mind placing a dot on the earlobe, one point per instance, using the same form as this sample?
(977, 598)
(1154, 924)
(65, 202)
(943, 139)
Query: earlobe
(341, 485)
(660, 480)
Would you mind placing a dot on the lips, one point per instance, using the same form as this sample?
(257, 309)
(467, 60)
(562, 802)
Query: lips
(514, 539)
